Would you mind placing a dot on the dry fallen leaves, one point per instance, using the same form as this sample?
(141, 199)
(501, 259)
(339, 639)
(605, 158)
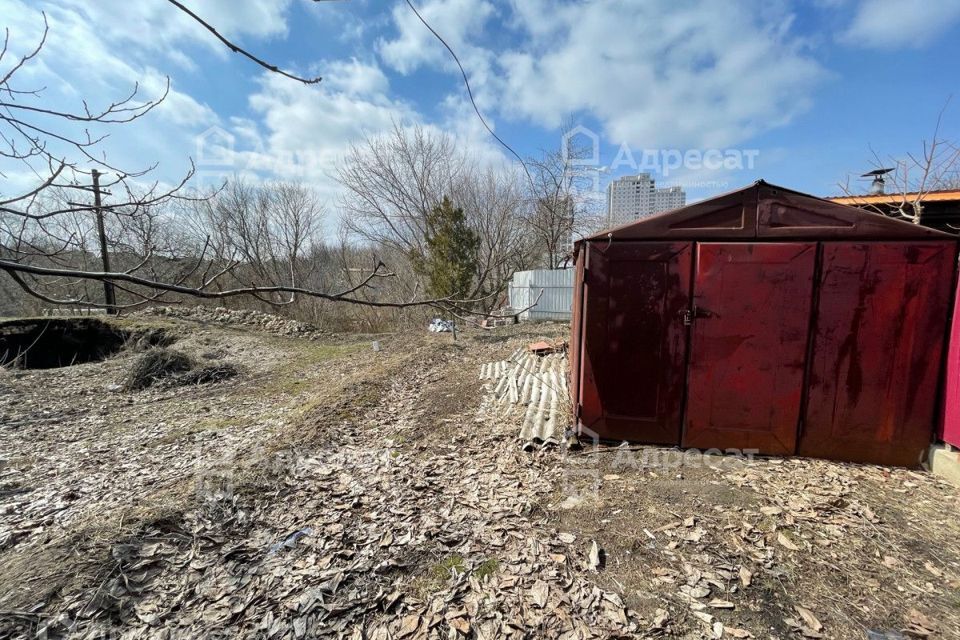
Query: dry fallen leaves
(593, 561)
(717, 603)
(785, 541)
(408, 626)
(539, 593)
(809, 619)
(919, 625)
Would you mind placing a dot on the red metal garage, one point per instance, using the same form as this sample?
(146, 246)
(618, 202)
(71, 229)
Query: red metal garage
(950, 426)
(764, 319)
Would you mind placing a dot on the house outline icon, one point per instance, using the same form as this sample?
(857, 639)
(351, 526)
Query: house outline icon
(594, 159)
(215, 147)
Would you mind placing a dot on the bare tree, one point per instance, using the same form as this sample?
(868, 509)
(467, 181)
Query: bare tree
(493, 200)
(394, 181)
(916, 175)
(267, 228)
(35, 135)
(351, 261)
(559, 206)
(51, 222)
(45, 229)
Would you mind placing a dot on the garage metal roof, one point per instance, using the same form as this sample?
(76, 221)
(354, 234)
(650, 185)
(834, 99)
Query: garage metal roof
(765, 211)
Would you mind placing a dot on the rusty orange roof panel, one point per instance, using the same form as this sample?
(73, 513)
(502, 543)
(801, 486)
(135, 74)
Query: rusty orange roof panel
(946, 195)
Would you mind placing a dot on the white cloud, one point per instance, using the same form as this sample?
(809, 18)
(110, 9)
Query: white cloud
(901, 23)
(462, 24)
(302, 132)
(415, 46)
(709, 75)
(695, 73)
(79, 63)
(98, 52)
(460, 121)
(158, 26)
(653, 74)
(354, 77)
(76, 64)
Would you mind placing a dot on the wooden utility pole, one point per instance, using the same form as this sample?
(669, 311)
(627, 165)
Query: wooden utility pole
(109, 297)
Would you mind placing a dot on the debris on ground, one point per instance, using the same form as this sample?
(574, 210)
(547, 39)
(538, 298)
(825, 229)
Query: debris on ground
(238, 317)
(544, 347)
(438, 325)
(150, 337)
(96, 492)
(153, 366)
(534, 387)
(401, 528)
(205, 374)
(290, 541)
(502, 318)
(770, 547)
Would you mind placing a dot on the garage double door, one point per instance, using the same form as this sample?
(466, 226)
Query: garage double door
(822, 349)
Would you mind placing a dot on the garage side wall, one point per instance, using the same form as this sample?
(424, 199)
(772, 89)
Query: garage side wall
(950, 426)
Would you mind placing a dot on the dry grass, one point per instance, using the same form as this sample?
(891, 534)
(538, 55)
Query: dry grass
(154, 365)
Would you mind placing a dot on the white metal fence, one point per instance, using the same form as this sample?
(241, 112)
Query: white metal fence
(556, 303)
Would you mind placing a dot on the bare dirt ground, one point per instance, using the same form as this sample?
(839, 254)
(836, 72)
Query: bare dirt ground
(331, 490)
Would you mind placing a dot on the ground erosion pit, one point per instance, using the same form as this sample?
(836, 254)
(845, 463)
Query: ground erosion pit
(49, 343)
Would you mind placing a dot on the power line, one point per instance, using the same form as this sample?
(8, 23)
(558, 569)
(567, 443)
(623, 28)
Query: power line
(466, 83)
(237, 49)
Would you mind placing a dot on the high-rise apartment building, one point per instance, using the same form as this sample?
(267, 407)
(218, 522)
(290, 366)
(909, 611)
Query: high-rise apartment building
(632, 197)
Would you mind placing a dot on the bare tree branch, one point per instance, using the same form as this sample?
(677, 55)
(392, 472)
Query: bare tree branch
(203, 290)
(916, 176)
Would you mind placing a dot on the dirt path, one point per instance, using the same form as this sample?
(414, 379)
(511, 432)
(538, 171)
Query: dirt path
(391, 509)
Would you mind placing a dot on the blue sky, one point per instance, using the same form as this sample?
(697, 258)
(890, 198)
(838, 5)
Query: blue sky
(808, 87)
